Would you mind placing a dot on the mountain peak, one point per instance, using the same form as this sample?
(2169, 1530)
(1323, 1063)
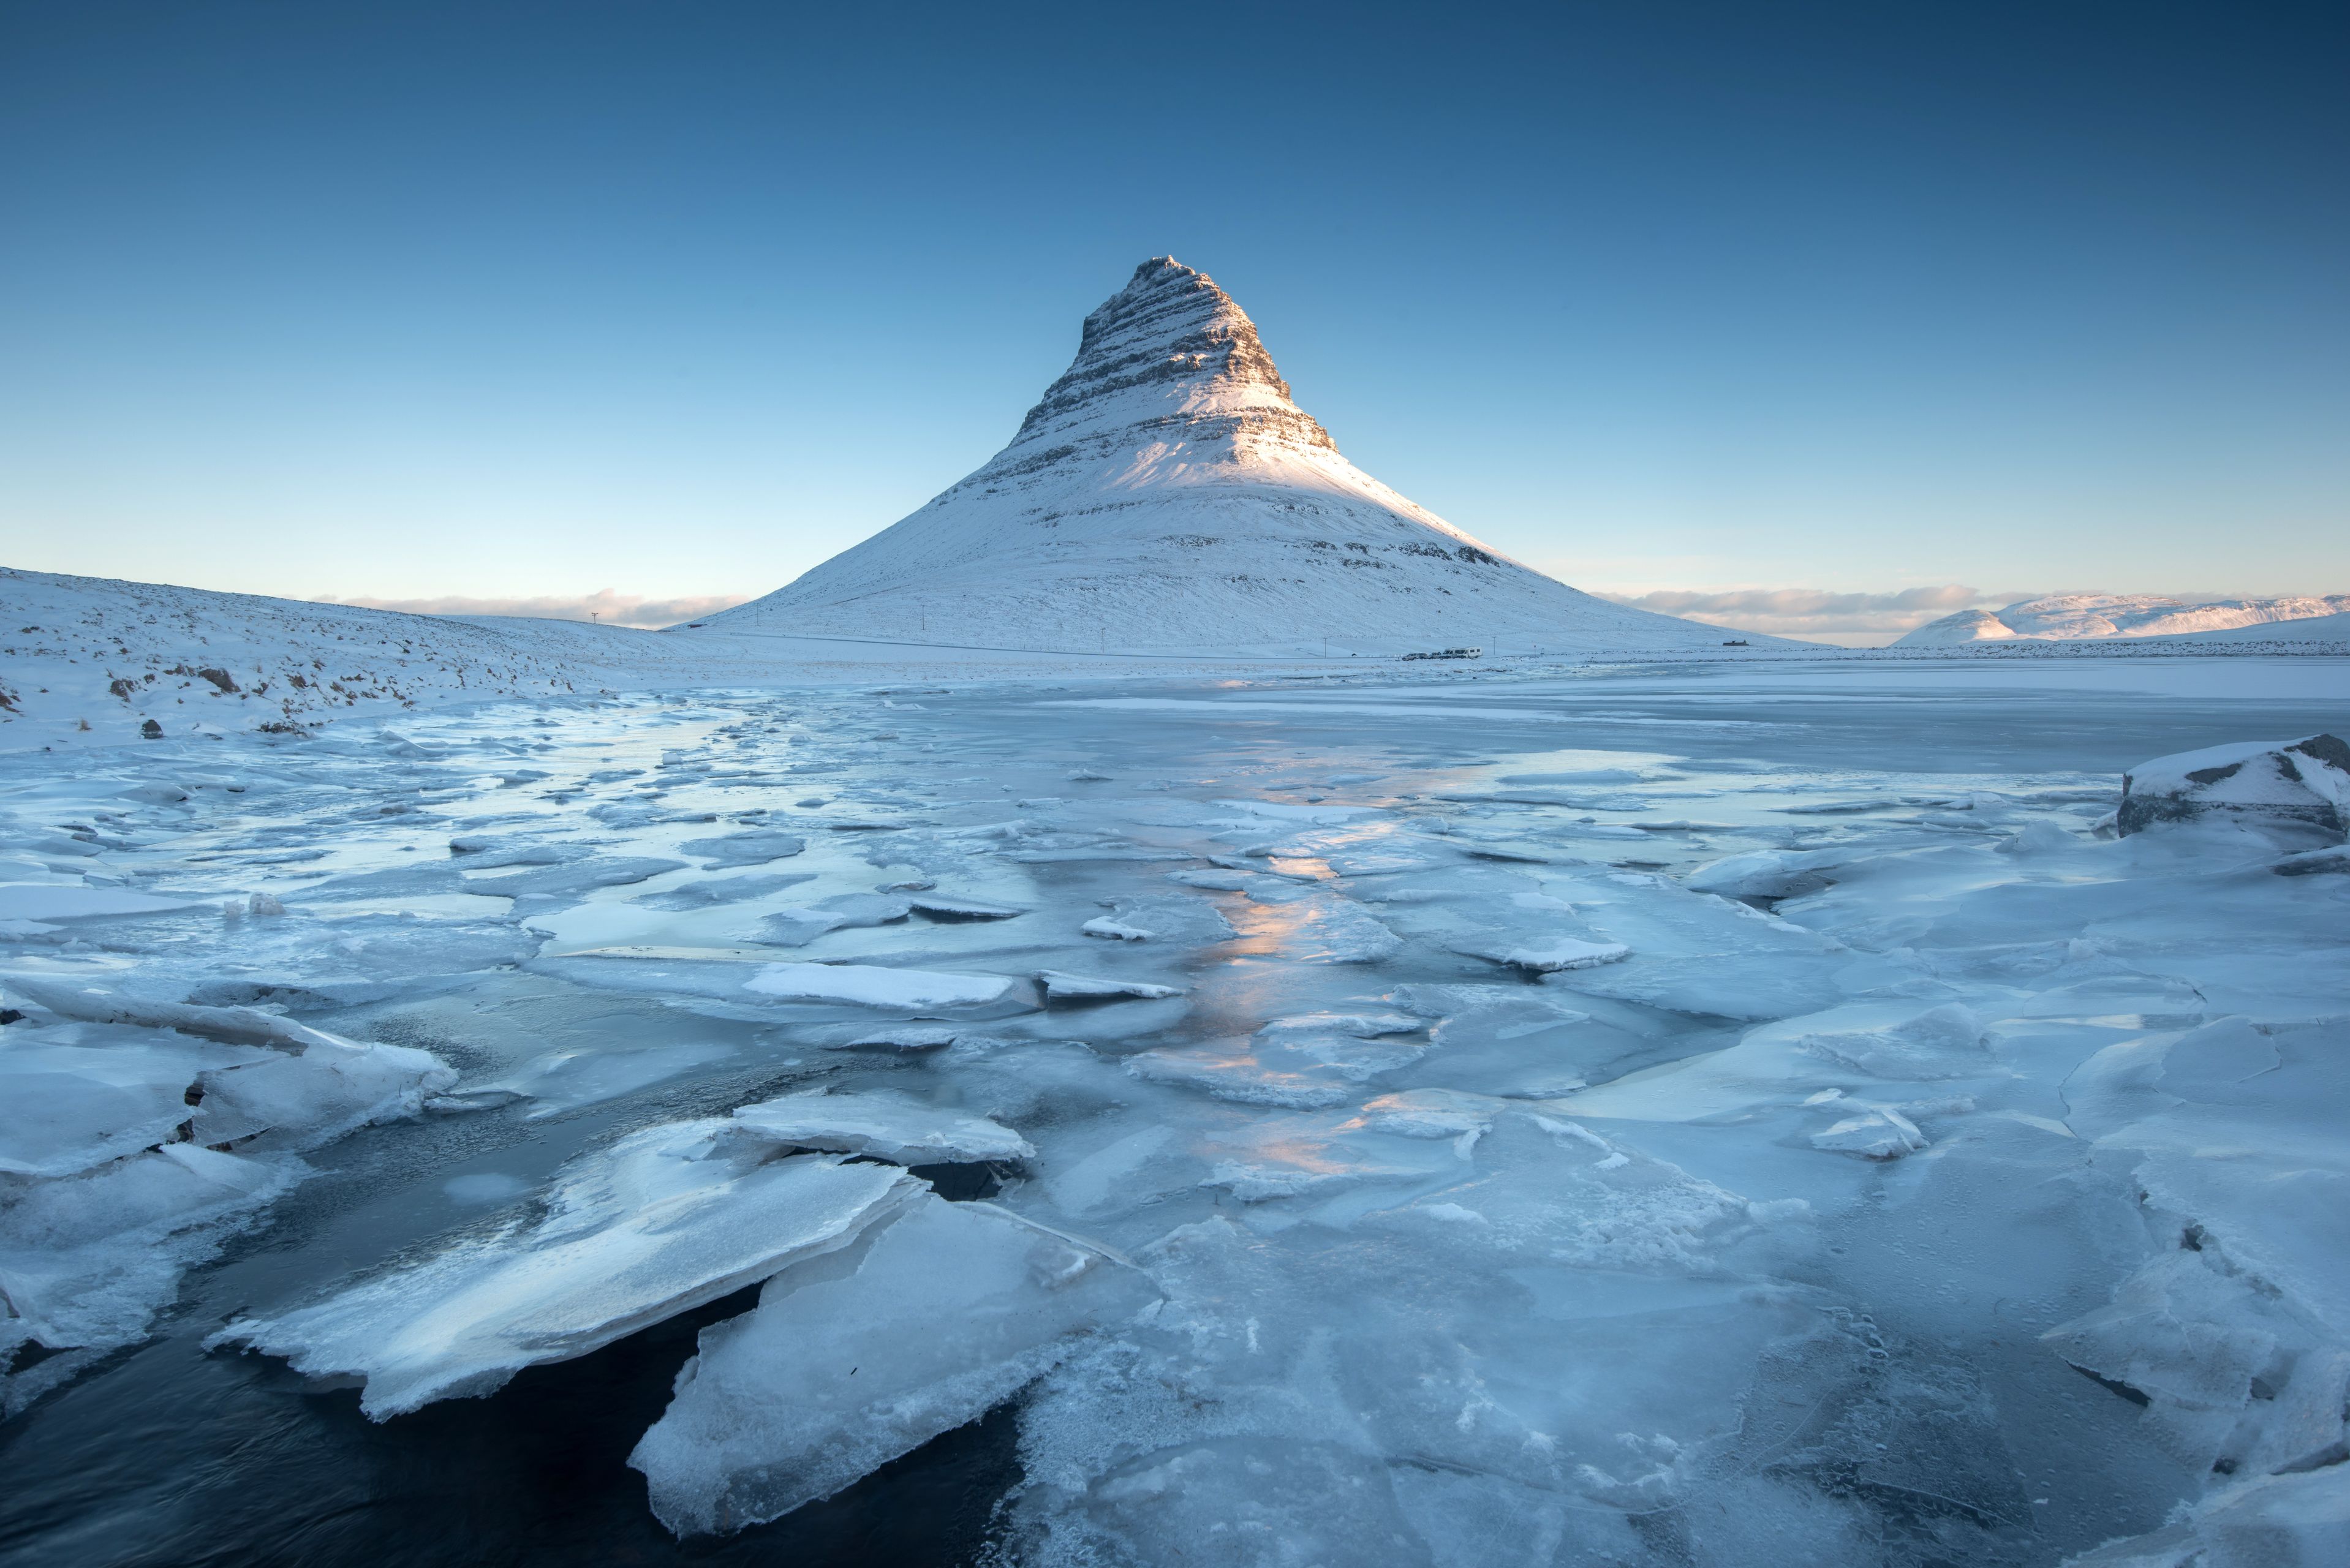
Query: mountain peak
(1172, 356)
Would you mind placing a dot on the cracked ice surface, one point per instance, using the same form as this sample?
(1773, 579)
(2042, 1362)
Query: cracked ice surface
(1700, 1116)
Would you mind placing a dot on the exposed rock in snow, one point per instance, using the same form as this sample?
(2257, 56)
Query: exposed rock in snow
(2303, 787)
(2068, 617)
(1166, 492)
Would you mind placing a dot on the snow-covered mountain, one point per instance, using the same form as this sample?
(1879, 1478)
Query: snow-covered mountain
(1167, 494)
(2069, 616)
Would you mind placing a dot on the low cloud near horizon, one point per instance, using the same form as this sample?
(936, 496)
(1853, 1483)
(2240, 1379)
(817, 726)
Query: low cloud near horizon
(603, 606)
(1817, 612)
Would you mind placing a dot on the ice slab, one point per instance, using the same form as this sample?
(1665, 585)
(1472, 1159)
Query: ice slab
(939, 907)
(1768, 873)
(1061, 986)
(229, 1025)
(901, 1037)
(88, 1260)
(1242, 1072)
(753, 848)
(1545, 955)
(665, 1220)
(74, 1106)
(887, 1127)
(574, 880)
(1877, 1132)
(850, 1362)
(303, 1087)
(870, 985)
(1176, 920)
(564, 1080)
(799, 925)
(717, 890)
(1892, 1040)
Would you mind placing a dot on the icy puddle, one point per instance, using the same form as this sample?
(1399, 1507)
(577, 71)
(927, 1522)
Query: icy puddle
(1710, 1116)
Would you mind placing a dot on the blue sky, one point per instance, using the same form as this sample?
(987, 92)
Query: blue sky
(402, 301)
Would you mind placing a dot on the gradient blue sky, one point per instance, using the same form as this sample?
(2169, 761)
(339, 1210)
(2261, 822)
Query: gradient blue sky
(402, 301)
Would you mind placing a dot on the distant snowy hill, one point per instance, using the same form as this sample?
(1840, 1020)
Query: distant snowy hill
(2067, 616)
(2332, 632)
(95, 661)
(118, 655)
(1166, 494)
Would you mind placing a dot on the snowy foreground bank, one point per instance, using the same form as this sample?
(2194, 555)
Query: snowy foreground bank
(1731, 1115)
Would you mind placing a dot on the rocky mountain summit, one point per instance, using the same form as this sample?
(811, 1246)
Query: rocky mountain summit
(1165, 494)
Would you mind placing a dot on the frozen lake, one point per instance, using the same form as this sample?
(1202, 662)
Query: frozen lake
(1363, 1122)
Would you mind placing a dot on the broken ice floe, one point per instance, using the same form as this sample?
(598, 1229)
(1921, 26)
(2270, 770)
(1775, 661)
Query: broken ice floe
(752, 849)
(1061, 986)
(724, 890)
(116, 1173)
(847, 1363)
(885, 1127)
(564, 1080)
(1191, 921)
(797, 926)
(904, 1038)
(90, 1097)
(1879, 1132)
(1768, 874)
(308, 1086)
(1547, 956)
(665, 1220)
(870, 985)
(939, 907)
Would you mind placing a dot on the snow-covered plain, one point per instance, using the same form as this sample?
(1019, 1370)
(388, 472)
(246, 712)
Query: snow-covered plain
(1731, 1114)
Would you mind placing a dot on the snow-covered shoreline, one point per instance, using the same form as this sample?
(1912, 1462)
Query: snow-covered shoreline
(90, 660)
